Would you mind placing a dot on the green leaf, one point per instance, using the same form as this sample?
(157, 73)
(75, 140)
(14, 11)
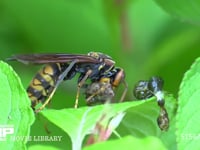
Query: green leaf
(43, 147)
(184, 10)
(77, 123)
(188, 130)
(150, 143)
(15, 108)
(139, 121)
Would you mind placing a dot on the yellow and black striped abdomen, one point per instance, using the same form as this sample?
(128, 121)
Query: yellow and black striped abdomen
(44, 82)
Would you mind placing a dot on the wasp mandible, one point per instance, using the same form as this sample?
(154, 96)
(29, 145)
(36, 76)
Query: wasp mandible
(60, 67)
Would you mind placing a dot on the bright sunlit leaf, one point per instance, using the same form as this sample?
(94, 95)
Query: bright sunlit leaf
(15, 109)
(150, 143)
(140, 119)
(188, 111)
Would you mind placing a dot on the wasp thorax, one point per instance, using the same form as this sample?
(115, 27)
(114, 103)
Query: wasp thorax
(94, 55)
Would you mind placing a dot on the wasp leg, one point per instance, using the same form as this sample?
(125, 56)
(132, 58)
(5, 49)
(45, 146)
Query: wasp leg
(60, 79)
(80, 84)
(125, 91)
(93, 95)
(101, 89)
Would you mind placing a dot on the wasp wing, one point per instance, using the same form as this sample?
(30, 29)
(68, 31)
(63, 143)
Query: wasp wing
(53, 58)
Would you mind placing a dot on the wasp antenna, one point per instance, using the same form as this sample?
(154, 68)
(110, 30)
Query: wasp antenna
(13, 58)
(17, 58)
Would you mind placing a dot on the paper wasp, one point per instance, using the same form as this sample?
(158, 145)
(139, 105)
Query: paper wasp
(60, 67)
(147, 88)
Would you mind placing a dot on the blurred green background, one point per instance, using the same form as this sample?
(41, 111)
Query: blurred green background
(140, 36)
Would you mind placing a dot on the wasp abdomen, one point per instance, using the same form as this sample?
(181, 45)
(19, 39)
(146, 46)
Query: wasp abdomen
(44, 82)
